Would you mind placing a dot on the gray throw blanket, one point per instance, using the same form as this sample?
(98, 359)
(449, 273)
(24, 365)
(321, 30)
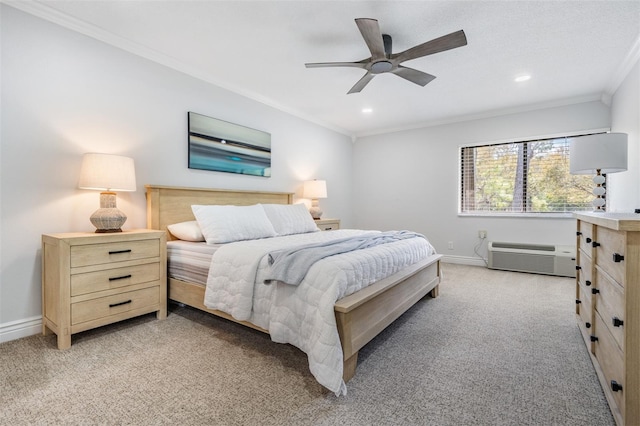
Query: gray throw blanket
(291, 265)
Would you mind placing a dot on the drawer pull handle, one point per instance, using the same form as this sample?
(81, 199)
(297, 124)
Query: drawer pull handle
(615, 386)
(617, 322)
(578, 301)
(578, 233)
(120, 278)
(593, 338)
(595, 291)
(113, 305)
(617, 257)
(578, 267)
(595, 244)
(120, 251)
(588, 240)
(588, 283)
(587, 324)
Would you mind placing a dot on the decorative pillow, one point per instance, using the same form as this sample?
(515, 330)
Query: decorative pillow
(225, 224)
(290, 219)
(187, 231)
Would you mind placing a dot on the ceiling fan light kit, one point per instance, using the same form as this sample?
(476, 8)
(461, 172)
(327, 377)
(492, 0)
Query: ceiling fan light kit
(383, 60)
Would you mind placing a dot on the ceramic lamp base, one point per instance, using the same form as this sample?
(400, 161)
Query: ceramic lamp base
(108, 218)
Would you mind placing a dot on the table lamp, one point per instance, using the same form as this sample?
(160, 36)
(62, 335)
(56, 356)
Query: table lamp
(315, 189)
(107, 173)
(598, 154)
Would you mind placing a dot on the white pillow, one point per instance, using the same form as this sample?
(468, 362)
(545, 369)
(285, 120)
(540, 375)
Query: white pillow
(224, 224)
(187, 231)
(290, 219)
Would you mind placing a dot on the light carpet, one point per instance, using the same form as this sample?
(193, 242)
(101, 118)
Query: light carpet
(495, 348)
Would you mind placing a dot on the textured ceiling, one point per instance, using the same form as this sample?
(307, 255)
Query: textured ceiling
(574, 51)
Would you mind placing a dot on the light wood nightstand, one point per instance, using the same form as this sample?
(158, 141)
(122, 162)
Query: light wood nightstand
(328, 224)
(90, 280)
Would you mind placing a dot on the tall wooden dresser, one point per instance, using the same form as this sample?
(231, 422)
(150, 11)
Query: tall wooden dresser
(608, 305)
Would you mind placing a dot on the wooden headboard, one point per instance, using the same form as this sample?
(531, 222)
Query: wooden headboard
(170, 204)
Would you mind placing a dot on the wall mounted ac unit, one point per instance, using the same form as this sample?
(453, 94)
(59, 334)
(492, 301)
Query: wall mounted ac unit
(535, 258)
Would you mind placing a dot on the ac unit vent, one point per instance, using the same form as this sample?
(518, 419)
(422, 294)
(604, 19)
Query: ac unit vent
(521, 246)
(534, 258)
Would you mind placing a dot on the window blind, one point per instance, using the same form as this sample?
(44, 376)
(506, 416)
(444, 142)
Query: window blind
(522, 177)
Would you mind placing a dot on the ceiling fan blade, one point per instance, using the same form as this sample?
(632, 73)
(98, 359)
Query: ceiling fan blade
(440, 44)
(414, 76)
(370, 31)
(336, 64)
(361, 83)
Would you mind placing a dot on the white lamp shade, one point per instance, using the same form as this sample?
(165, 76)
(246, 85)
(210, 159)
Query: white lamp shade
(106, 172)
(315, 189)
(606, 152)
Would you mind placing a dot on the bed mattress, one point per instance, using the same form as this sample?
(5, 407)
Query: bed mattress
(190, 261)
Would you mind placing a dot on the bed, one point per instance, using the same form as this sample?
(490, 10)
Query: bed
(359, 317)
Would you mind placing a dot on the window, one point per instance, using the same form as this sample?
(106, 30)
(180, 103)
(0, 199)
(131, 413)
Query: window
(522, 177)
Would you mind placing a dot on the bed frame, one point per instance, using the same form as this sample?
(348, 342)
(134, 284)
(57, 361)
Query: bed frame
(360, 316)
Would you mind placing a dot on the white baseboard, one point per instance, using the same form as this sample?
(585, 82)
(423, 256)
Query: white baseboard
(464, 260)
(21, 328)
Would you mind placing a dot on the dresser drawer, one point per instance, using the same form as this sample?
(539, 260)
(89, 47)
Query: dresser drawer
(610, 305)
(111, 305)
(585, 237)
(610, 358)
(91, 282)
(611, 243)
(584, 316)
(96, 254)
(584, 273)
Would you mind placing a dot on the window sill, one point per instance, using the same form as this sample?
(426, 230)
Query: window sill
(567, 215)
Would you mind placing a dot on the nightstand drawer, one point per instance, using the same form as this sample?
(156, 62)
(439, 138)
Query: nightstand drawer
(95, 254)
(328, 224)
(112, 305)
(91, 282)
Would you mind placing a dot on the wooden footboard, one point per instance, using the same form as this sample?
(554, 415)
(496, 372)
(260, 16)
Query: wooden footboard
(360, 316)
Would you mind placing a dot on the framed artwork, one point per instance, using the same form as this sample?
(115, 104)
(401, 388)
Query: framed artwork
(226, 147)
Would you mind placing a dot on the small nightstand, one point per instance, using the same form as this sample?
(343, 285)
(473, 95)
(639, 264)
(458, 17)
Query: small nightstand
(328, 224)
(90, 280)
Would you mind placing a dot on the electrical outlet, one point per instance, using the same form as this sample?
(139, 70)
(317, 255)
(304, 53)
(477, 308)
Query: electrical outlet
(482, 234)
(450, 245)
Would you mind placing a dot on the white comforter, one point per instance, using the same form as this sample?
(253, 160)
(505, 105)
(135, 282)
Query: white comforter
(303, 315)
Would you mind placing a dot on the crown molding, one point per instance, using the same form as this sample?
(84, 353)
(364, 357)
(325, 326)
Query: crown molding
(624, 68)
(489, 114)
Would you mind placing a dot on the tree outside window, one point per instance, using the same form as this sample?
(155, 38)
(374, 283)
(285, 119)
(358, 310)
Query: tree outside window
(522, 177)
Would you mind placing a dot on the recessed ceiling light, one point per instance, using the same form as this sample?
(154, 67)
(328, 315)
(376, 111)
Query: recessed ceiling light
(367, 110)
(522, 78)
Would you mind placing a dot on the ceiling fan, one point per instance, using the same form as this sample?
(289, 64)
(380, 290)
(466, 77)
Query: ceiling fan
(382, 60)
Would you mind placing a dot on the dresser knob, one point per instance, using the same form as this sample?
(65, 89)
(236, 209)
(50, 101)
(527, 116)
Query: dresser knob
(595, 244)
(588, 240)
(595, 291)
(593, 338)
(617, 257)
(578, 267)
(587, 324)
(578, 233)
(615, 386)
(578, 301)
(587, 283)
(617, 322)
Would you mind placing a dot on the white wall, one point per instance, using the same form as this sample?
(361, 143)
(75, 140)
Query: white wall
(64, 94)
(409, 179)
(624, 190)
